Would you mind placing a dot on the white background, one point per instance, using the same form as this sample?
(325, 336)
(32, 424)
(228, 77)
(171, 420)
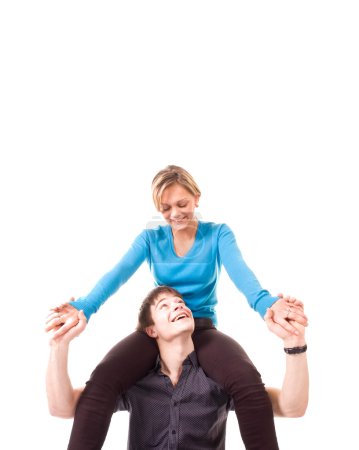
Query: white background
(259, 101)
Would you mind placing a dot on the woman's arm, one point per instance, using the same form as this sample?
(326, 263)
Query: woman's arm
(106, 286)
(292, 399)
(62, 397)
(242, 276)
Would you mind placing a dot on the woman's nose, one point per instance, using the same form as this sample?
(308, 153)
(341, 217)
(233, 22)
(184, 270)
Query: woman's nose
(175, 212)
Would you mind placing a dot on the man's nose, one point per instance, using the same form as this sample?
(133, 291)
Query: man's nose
(177, 306)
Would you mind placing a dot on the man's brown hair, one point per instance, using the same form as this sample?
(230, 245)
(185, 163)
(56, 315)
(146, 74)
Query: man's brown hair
(145, 316)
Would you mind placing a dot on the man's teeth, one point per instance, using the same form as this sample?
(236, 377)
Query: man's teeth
(181, 316)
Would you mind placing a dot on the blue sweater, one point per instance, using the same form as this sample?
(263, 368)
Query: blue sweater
(194, 275)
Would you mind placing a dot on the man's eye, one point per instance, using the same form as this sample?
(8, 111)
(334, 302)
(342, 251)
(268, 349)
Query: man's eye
(182, 206)
(163, 306)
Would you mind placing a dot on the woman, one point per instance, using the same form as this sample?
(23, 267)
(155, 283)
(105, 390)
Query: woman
(186, 254)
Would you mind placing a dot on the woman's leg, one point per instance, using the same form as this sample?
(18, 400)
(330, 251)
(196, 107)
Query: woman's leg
(224, 360)
(122, 367)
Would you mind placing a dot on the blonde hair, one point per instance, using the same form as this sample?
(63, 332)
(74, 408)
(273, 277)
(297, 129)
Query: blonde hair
(168, 176)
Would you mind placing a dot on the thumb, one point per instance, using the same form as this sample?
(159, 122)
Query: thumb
(269, 314)
(82, 316)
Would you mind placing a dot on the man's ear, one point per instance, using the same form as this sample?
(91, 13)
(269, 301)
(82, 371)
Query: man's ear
(151, 331)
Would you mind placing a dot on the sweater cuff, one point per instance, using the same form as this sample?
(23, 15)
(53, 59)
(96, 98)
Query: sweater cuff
(81, 304)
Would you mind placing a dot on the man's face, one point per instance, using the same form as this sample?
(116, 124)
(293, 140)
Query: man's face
(171, 318)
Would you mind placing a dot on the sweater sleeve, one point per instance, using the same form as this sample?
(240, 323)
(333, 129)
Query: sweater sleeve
(258, 298)
(115, 278)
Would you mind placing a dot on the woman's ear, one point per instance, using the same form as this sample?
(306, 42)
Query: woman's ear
(196, 201)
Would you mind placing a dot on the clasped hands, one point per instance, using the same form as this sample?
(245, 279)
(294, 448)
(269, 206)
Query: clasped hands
(283, 317)
(63, 318)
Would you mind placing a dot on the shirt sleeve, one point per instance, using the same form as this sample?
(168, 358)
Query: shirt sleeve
(258, 298)
(115, 278)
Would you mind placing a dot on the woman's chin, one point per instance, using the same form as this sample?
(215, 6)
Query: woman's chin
(179, 224)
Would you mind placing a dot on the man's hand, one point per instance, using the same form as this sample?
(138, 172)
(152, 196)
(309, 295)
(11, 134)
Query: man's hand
(289, 339)
(62, 318)
(54, 324)
(287, 311)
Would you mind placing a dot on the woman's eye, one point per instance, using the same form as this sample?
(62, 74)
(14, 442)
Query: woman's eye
(182, 206)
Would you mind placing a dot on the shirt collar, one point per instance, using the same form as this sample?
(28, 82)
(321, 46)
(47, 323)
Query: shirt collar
(191, 359)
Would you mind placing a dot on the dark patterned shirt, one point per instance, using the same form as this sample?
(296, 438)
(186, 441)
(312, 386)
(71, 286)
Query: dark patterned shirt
(191, 415)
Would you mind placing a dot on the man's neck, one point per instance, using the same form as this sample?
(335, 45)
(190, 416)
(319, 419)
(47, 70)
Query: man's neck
(172, 355)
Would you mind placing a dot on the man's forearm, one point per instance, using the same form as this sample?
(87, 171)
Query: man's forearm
(62, 398)
(292, 400)
(294, 396)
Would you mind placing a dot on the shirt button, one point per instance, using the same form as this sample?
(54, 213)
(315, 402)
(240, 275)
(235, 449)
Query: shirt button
(173, 431)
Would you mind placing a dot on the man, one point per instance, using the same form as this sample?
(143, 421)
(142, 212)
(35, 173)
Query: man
(176, 405)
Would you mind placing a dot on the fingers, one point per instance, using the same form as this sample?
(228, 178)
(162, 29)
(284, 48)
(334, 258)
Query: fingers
(275, 327)
(53, 320)
(63, 305)
(51, 316)
(294, 301)
(59, 316)
(287, 326)
(64, 313)
(294, 315)
(70, 323)
(293, 309)
(62, 310)
(74, 322)
(68, 330)
(297, 326)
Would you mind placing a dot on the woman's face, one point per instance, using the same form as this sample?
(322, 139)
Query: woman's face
(177, 206)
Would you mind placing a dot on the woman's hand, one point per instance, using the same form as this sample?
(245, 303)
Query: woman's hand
(69, 335)
(288, 309)
(61, 319)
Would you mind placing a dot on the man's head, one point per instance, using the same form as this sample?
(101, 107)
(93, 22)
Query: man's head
(164, 314)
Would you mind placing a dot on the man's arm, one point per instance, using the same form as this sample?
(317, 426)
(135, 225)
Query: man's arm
(62, 397)
(292, 399)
